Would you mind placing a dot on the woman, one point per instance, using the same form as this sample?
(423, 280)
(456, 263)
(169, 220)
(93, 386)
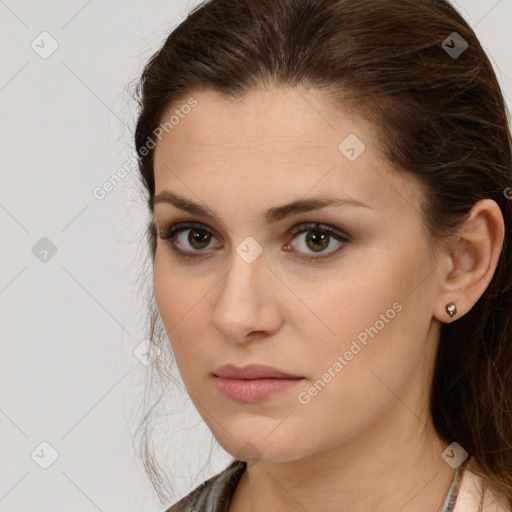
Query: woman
(329, 183)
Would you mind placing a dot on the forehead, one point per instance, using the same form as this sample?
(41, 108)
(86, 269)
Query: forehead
(272, 119)
(272, 141)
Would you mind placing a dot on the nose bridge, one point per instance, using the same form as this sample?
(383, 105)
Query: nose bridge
(240, 283)
(240, 307)
(247, 267)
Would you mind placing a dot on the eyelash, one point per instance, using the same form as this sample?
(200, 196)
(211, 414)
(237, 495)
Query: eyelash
(170, 234)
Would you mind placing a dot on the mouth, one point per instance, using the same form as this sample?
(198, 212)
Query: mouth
(253, 383)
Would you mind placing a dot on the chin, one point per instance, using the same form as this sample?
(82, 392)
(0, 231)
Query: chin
(260, 448)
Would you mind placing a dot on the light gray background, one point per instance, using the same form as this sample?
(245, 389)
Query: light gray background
(69, 326)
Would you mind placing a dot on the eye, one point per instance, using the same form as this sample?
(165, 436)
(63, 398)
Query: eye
(199, 238)
(191, 234)
(317, 238)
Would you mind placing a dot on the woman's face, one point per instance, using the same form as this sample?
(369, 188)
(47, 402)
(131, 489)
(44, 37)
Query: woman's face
(356, 324)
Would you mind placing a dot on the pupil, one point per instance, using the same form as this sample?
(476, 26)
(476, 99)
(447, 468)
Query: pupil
(317, 239)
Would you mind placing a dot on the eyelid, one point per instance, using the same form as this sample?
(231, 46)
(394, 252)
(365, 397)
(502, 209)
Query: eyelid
(183, 226)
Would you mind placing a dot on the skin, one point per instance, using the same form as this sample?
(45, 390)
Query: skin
(366, 441)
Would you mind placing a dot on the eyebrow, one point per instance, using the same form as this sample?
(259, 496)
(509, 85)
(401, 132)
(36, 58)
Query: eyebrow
(272, 215)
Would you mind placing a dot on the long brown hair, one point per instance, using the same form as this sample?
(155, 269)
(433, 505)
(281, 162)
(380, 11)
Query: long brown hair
(441, 115)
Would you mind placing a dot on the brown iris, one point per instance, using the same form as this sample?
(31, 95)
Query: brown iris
(202, 238)
(319, 239)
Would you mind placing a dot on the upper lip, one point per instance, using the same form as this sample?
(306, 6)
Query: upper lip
(252, 371)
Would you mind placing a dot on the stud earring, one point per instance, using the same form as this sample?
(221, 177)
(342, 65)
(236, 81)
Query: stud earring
(451, 309)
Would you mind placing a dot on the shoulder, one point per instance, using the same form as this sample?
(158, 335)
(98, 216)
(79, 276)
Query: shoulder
(470, 493)
(214, 494)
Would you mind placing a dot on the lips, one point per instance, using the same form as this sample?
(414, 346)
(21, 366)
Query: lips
(253, 371)
(254, 383)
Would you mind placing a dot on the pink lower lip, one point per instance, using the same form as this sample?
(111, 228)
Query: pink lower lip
(253, 390)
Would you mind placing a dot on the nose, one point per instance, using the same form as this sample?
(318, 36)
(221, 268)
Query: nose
(247, 306)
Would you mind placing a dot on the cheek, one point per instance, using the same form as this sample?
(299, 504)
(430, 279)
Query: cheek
(176, 292)
(165, 285)
(173, 299)
(363, 316)
(347, 303)
(181, 303)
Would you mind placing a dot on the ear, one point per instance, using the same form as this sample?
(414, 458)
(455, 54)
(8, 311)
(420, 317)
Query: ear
(469, 261)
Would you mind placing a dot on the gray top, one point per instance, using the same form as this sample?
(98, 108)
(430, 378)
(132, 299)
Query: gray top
(453, 491)
(215, 494)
